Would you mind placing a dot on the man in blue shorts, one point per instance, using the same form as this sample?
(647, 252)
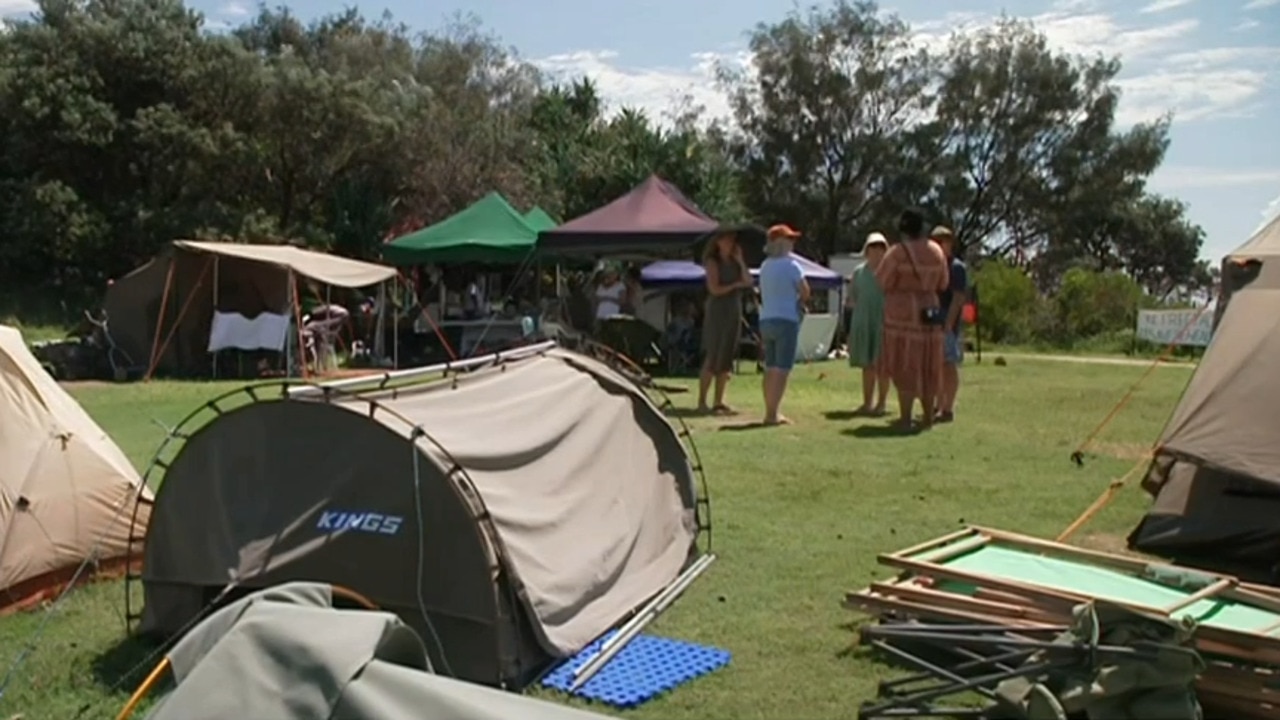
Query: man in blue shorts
(952, 300)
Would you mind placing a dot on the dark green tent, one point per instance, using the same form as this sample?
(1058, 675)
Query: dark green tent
(539, 219)
(490, 231)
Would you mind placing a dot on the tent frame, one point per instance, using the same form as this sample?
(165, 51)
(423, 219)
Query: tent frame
(356, 389)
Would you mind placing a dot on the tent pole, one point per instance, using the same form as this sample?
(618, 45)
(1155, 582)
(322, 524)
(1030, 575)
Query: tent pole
(379, 324)
(615, 644)
(182, 313)
(382, 379)
(164, 302)
(214, 355)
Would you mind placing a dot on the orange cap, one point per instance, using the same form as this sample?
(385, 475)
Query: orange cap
(783, 231)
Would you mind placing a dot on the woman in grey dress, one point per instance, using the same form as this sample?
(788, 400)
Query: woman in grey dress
(727, 277)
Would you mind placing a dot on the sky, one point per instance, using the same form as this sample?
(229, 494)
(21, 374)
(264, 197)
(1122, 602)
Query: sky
(1213, 63)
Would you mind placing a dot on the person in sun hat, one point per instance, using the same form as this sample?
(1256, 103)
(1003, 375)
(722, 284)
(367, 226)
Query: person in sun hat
(866, 328)
(952, 301)
(783, 294)
(610, 292)
(727, 277)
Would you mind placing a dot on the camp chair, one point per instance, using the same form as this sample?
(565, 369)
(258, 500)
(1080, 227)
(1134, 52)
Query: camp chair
(680, 347)
(632, 337)
(1147, 662)
(321, 332)
(749, 346)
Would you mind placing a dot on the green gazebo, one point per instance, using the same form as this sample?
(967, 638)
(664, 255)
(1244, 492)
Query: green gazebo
(489, 231)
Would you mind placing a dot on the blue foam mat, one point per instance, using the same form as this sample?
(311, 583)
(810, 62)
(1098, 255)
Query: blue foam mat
(645, 668)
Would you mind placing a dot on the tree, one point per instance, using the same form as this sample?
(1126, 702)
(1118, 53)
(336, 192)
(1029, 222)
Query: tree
(823, 117)
(108, 124)
(1010, 112)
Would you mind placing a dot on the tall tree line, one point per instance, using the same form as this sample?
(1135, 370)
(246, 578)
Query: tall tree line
(125, 124)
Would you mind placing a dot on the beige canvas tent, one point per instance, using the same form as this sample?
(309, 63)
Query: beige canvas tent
(1216, 473)
(510, 513)
(161, 314)
(292, 653)
(66, 489)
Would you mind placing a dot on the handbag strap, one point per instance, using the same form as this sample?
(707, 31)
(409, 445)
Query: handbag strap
(911, 257)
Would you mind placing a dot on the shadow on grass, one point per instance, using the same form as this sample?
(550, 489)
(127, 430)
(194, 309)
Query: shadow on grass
(123, 666)
(842, 415)
(881, 431)
(684, 412)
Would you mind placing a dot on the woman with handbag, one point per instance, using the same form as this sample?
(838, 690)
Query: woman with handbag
(911, 275)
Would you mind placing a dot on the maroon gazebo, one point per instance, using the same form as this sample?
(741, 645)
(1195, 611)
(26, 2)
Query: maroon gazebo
(653, 218)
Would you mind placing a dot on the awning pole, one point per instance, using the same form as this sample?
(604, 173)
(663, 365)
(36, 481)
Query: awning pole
(213, 356)
(380, 324)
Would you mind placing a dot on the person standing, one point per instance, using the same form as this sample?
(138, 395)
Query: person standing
(952, 301)
(610, 293)
(866, 328)
(783, 294)
(633, 300)
(727, 277)
(912, 275)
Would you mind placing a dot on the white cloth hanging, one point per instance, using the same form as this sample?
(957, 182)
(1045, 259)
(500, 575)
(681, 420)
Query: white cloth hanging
(266, 331)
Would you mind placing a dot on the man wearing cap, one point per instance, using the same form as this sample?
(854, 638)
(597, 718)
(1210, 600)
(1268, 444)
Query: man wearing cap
(952, 301)
(783, 294)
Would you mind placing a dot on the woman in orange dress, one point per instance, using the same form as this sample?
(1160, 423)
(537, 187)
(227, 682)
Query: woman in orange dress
(912, 274)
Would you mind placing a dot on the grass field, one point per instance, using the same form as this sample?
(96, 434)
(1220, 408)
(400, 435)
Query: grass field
(800, 513)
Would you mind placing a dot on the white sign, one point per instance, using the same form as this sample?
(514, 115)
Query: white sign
(1170, 327)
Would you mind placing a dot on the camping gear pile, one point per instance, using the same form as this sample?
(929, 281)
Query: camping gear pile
(1110, 663)
(1007, 591)
(510, 508)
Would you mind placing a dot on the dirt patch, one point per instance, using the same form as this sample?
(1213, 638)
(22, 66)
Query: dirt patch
(75, 384)
(1120, 450)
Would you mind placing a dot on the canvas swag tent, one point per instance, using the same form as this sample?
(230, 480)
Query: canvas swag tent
(516, 510)
(163, 314)
(293, 652)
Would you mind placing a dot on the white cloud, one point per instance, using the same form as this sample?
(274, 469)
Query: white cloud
(1269, 213)
(234, 9)
(9, 8)
(1182, 177)
(1161, 72)
(1260, 4)
(1246, 25)
(1163, 5)
(654, 90)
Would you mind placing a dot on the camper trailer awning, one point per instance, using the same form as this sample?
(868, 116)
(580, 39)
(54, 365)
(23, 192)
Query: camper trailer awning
(328, 269)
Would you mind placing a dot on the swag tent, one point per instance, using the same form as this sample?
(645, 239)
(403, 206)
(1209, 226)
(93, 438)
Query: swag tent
(515, 508)
(303, 651)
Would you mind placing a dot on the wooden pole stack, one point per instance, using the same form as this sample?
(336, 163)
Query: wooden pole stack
(1243, 677)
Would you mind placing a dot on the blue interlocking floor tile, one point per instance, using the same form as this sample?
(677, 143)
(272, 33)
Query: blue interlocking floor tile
(647, 667)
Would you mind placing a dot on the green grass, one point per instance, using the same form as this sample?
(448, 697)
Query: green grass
(800, 513)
